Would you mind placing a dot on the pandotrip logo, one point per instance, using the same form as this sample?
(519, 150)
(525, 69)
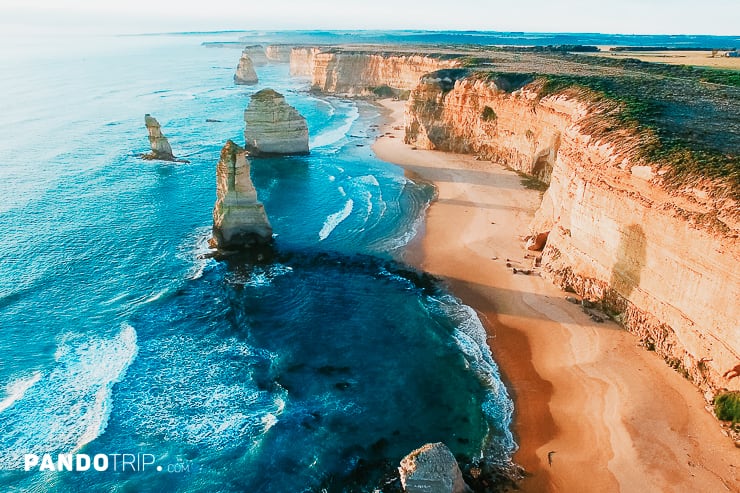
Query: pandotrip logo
(117, 462)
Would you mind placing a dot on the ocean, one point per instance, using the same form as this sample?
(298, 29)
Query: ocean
(316, 371)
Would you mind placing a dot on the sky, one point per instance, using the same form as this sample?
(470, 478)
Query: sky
(719, 17)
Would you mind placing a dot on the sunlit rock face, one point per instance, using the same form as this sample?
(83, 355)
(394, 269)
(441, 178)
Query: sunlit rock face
(239, 219)
(245, 73)
(274, 127)
(664, 261)
(432, 469)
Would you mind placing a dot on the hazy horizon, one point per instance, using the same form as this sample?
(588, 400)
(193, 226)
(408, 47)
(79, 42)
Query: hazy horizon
(658, 17)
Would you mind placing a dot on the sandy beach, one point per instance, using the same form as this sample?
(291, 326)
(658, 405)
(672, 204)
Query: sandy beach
(593, 410)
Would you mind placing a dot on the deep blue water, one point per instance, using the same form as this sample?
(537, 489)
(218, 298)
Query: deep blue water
(320, 369)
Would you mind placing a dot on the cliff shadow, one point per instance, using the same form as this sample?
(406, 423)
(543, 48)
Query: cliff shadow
(630, 260)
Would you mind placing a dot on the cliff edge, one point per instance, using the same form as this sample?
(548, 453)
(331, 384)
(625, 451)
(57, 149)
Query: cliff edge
(651, 240)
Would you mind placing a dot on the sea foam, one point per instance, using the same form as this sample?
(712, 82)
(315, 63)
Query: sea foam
(333, 220)
(16, 389)
(471, 338)
(69, 405)
(333, 135)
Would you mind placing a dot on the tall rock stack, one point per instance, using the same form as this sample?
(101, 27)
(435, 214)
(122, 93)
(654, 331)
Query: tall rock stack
(239, 219)
(273, 126)
(245, 73)
(160, 146)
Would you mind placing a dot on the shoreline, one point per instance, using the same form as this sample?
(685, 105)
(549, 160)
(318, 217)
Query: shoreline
(592, 411)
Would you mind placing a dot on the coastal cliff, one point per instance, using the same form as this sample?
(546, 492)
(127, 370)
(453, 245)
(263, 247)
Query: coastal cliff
(257, 54)
(239, 219)
(359, 73)
(656, 250)
(301, 61)
(273, 126)
(278, 53)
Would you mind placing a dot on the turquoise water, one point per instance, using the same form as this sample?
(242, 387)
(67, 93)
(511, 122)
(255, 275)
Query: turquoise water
(318, 370)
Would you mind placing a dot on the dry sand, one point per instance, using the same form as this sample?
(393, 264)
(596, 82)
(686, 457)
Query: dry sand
(610, 415)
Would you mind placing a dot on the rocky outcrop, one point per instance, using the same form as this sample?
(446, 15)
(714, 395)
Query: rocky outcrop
(245, 74)
(257, 54)
(301, 61)
(239, 219)
(161, 149)
(359, 73)
(432, 469)
(663, 261)
(278, 53)
(273, 126)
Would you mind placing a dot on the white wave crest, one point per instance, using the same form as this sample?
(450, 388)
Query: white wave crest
(471, 337)
(335, 219)
(333, 135)
(16, 389)
(69, 406)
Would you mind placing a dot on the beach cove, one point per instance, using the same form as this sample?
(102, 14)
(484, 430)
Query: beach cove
(593, 411)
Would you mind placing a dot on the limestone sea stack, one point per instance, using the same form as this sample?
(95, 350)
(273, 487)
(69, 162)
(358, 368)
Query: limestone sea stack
(239, 219)
(245, 73)
(160, 146)
(273, 126)
(432, 469)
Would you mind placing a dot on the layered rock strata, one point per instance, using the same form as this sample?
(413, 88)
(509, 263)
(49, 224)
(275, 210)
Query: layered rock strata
(359, 73)
(273, 126)
(301, 61)
(432, 469)
(245, 73)
(161, 149)
(239, 219)
(663, 261)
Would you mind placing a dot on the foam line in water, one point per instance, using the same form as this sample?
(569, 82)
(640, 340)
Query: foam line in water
(17, 388)
(69, 405)
(470, 336)
(335, 219)
(333, 135)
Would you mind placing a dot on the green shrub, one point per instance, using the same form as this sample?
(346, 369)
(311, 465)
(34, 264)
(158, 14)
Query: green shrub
(489, 115)
(727, 406)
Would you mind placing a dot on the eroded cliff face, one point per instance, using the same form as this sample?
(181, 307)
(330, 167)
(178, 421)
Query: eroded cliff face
(301, 61)
(257, 54)
(273, 126)
(664, 261)
(239, 219)
(358, 73)
(278, 53)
